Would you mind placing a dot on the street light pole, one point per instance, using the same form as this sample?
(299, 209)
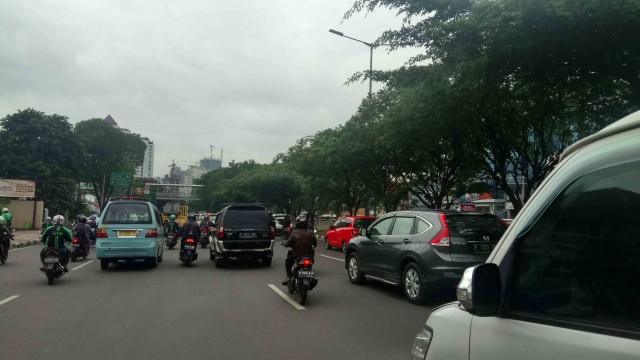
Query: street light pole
(370, 45)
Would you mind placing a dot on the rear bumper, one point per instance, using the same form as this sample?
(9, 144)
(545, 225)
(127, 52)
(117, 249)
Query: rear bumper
(219, 251)
(140, 251)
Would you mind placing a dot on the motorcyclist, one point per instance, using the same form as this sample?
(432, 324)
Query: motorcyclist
(286, 222)
(55, 237)
(47, 223)
(7, 217)
(172, 226)
(190, 230)
(93, 222)
(5, 234)
(302, 241)
(84, 233)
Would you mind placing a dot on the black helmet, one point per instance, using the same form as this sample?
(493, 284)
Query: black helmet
(301, 221)
(82, 219)
(191, 217)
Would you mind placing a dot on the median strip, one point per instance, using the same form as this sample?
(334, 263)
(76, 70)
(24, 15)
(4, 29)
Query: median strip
(9, 299)
(284, 296)
(332, 257)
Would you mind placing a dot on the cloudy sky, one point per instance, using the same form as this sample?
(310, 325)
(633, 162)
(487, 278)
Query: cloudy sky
(247, 76)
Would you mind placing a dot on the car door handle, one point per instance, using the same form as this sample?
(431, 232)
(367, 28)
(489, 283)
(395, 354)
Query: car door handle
(406, 241)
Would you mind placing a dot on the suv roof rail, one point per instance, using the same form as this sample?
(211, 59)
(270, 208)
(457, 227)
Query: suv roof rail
(127, 198)
(242, 204)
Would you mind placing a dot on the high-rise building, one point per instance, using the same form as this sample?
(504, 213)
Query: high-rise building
(146, 169)
(210, 164)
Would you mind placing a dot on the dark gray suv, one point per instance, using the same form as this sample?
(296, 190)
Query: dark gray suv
(422, 251)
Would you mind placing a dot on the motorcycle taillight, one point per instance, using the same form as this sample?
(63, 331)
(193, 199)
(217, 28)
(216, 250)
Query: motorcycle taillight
(307, 262)
(52, 253)
(190, 241)
(75, 240)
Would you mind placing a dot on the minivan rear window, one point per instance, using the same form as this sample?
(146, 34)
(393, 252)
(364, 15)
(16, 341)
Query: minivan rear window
(248, 218)
(126, 213)
(464, 224)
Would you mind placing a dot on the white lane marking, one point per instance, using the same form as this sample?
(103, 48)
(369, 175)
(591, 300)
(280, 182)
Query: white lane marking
(284, 296)
(87, 263)
(332, 257)
(24, 247)
(9, 299)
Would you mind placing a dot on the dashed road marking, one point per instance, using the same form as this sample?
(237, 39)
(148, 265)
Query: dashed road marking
(332, 257)
(284, 296)
(9, 299)
(87, 263)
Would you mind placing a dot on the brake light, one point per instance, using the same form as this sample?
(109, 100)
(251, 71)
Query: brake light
(101, 233)
(220, 234)
(190, 240)
(152, 233)
(75, 240)
(306, 262)
(272, 233)
(443, 237)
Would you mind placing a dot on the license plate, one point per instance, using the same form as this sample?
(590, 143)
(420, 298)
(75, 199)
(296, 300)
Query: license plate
(483, 248)
(50, 260)
(247, 235)
(123, 233)
(189, 247)
(303, 274)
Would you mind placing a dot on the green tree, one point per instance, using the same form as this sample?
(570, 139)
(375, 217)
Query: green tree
(40, 147)
(105, 149)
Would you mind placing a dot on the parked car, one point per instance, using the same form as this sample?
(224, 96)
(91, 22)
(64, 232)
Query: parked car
(422, 251)
(344, 229)
(562, 282)
(128, 230)
(244, 232)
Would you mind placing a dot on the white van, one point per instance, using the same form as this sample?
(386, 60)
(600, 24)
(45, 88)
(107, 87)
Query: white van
(564, 280)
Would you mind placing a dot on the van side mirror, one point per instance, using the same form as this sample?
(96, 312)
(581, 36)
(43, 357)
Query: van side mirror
(479, 290)
(363, 232)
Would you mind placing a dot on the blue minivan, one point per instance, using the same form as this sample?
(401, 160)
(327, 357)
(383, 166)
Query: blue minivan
(129, 229)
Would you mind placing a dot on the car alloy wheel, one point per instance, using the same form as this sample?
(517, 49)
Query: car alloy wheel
(355, 275)
(414, 287)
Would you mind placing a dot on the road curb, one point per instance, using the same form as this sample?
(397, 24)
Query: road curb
(22, 244)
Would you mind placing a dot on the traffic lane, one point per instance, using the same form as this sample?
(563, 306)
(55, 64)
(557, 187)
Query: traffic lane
(174, 311)
(20, 271)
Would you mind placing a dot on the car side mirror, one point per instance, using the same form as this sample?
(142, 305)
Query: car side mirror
(479, 290)
(331, 226)
(363, 232)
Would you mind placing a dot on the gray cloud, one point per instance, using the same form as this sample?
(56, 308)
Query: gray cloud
(248, 76)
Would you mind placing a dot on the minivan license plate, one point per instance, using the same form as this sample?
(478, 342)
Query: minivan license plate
(247, 235)
(483, 248)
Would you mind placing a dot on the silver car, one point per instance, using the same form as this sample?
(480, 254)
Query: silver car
(562, 282)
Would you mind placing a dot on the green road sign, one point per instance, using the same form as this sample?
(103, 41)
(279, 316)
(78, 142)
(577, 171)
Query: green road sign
(120, 179)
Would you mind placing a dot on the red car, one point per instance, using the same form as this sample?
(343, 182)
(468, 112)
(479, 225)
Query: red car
(346, 228)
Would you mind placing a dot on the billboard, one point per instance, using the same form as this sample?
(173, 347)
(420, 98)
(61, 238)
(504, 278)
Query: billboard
(17, 188)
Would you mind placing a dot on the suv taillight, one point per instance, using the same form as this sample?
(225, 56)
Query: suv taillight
(273, 233)
(152, 233)
(442, 238)
(220, 234)
(101, 233)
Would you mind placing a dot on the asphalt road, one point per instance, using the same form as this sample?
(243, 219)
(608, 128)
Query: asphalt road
(174, 312)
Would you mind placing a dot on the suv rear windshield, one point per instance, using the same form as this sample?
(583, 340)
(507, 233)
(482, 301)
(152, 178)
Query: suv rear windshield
(246, 218)
(127, 213)
(464, 224)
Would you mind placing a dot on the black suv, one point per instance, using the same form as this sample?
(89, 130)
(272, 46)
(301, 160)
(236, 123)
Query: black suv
(422, 250)
(244, 231)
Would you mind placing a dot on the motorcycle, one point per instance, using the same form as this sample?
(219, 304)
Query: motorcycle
(204, 238)
(303, 278)
(52, 267)
(4, 247)
(188, 253)
(286, 232)
(77, 250)
(171, 240)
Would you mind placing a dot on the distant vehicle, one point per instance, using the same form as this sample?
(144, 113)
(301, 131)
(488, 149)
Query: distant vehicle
(244, 232)
(562, 282)
(344, 229)
(422, 251)
(128, 230)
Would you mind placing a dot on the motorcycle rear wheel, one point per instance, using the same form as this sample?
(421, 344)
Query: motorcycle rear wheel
(50, 277)
(4, 254)
(74, 257)
(302, 293)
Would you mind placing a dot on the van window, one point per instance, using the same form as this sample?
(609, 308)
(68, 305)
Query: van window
(127, 213)
(580, 263)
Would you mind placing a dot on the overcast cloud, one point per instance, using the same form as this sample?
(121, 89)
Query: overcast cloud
(250, 77)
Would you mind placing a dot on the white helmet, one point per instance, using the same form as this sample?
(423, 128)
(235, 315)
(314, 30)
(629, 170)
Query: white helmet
(58, 219)
(1, 220)
(48, 218)
(5, 210)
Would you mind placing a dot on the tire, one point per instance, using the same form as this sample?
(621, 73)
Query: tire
(171, 246)
(302, 293)
(152, 262)
(344, 246)
(266, 262)
(104, 264)
(160, 257)
(326, 244)
(50, 277)
(4, 254)
(356, 276)
(413, 284)
(74, 257)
